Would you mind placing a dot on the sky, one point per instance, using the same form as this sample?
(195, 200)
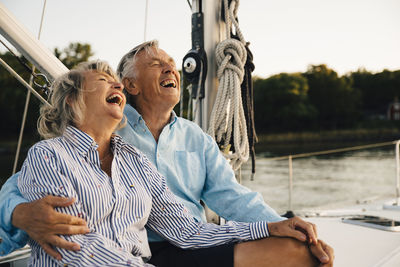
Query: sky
(284, 36)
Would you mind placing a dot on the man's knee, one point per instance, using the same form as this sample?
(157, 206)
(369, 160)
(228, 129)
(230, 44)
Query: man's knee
(296, 249)
(273, 251)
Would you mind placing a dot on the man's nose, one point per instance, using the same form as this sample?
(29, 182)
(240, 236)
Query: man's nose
(168, 68)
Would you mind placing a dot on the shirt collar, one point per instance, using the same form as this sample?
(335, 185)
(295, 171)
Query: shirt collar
(117, 143)
(84, 142)
(173, 119)
(80, 140)
(134, 117)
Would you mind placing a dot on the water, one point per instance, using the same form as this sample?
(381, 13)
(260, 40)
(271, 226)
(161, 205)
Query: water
(322, 181)
(325, 181)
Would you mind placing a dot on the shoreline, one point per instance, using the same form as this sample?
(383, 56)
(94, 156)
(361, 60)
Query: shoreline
(282, 144)
(352, 135)
(269, 145)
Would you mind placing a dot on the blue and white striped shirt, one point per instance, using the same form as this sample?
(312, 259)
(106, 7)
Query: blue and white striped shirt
(117, 209)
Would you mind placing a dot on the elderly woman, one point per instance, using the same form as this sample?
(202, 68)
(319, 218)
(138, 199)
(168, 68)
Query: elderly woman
(117, 190)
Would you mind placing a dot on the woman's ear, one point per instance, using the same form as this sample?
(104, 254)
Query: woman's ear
(130, 87)
(68, 100)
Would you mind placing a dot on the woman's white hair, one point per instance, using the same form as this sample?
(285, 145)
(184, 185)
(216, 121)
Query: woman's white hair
(67, 104)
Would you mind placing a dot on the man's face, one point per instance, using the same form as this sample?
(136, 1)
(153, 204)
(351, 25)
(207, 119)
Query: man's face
(157, 82)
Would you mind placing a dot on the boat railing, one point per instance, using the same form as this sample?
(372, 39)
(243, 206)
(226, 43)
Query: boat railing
(290, 159)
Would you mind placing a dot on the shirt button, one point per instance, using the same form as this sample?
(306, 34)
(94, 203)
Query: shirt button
(118, 214)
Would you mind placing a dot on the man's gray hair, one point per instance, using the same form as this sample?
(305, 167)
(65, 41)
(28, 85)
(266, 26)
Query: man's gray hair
(126, 66)
(67, 103)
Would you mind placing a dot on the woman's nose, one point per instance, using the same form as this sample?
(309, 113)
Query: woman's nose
(118, 85)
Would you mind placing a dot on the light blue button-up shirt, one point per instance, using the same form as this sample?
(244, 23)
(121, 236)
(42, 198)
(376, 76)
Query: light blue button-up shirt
(11, 238)
(194, 169)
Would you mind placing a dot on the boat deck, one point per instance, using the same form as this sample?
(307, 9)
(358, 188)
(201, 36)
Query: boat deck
(357, 245)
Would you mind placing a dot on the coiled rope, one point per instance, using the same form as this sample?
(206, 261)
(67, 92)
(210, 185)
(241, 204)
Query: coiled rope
(227, 119)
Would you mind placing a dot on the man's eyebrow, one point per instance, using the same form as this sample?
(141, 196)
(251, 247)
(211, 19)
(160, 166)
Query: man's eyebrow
(155, 58)
(169, 60)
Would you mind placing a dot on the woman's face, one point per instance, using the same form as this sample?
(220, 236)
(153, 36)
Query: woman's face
(103, 98)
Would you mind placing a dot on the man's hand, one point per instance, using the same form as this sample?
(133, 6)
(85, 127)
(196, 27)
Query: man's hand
(324, 253)
(295, 228)
(43, 224)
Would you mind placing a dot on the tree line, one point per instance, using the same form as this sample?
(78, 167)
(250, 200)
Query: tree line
(318, 99)
(13, 94)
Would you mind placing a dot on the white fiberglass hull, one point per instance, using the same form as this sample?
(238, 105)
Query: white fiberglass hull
(357, 245)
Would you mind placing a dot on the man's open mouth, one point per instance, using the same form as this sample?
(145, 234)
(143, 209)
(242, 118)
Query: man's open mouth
(168, 83)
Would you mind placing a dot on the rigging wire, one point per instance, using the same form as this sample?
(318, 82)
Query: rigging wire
(23, 82)
(190, 5)
(37, 76)
(28, 97)
(145, 20)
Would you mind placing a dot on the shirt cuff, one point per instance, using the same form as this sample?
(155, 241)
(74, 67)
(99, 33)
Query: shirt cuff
(10, 242)
(259, 230)
(8, 211)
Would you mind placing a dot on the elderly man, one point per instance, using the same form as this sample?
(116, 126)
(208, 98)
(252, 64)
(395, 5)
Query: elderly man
(194, 170)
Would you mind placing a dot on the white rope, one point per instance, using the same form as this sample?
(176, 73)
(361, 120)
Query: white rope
(227, 116)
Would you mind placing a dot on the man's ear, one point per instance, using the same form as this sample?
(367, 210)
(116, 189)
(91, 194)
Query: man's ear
(129, 85)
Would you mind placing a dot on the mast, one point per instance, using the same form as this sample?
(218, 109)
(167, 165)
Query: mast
(212, 36)
(206, 34)
(222, 93)
(199, 65)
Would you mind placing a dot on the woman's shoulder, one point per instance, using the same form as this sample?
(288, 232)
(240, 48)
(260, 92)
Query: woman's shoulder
(52, 145)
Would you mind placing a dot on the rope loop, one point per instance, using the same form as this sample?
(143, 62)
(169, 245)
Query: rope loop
(227, 122)
(231, 55)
